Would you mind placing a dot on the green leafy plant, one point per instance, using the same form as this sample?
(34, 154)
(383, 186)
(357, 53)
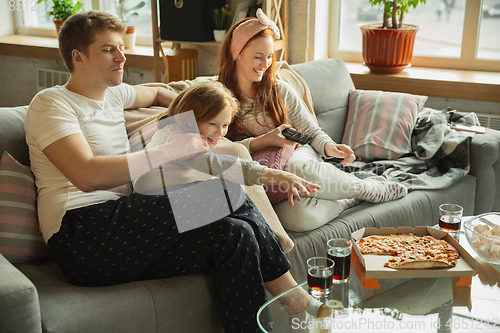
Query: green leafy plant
(395, 10)
(62, 9)
(221, 17)
(125, 13)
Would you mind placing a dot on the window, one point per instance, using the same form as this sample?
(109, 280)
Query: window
(454, 33)
(34, 19)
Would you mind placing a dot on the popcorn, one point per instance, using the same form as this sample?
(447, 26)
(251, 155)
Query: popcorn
(481, 228)
(477, 243)
(484, 249)
(489, 244)
(495, 250)
(496, 231)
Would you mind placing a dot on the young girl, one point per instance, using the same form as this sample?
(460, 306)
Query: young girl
(213, 107)
(267, 106)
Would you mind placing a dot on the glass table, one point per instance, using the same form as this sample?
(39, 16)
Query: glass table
(409, 305)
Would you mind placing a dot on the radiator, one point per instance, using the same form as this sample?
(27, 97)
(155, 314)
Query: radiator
(489, 120)
(48, 78)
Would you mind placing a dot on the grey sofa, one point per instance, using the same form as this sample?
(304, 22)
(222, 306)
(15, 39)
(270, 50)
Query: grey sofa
(34, 297)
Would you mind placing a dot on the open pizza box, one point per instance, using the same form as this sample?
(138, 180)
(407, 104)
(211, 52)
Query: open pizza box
(370, 268)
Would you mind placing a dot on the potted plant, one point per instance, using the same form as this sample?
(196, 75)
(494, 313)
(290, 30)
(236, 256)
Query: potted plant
(125, 14)
(388, 47)
(221, 18)
(62, 9)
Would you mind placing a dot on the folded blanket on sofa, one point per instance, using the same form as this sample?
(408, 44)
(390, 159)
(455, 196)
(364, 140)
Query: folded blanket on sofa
(440, 155)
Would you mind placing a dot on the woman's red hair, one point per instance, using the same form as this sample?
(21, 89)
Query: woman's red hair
(266, 91)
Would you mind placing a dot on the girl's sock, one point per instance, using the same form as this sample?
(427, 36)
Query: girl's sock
(376, 191)
(298, 321)
(349, 203)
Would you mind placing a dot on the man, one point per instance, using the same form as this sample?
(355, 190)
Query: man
(76, 133)
(100, 233)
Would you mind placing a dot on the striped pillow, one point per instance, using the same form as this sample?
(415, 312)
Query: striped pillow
(379, 124)
(20, 237)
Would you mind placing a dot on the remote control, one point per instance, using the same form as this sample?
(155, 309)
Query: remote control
(296, 136)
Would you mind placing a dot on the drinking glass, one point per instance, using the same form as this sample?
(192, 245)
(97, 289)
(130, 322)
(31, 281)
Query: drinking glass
(319, 276)
(450, 219)
(341, 296)
(339, 250)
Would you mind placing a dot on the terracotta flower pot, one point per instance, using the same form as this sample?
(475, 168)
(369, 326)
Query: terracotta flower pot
(387, 50)
(58, 23)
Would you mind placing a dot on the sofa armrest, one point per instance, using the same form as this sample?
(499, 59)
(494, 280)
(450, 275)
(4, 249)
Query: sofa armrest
(19, 305)
(485, 166)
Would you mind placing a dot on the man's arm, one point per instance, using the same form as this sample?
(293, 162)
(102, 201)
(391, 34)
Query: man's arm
(148, 96)
(73, 156)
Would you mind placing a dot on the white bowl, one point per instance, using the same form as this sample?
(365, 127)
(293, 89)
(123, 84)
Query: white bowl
(483, 234)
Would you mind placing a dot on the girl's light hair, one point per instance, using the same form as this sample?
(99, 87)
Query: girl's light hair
(206, 100)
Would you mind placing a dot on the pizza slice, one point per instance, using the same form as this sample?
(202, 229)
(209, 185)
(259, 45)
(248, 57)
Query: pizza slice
(411, 251)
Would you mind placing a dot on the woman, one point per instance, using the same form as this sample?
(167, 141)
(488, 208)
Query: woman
(268, 105)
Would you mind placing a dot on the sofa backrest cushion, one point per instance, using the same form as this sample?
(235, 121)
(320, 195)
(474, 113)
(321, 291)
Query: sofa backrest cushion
(329, 82)
(20, 237)
(380, 124)
(12, 134)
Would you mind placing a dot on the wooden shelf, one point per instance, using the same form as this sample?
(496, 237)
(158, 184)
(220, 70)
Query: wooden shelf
(434, 82)
(48, 48)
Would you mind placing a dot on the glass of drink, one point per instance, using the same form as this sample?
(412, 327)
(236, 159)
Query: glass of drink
(339, 250)
(450, 219)
(319, 276)
(341, 295)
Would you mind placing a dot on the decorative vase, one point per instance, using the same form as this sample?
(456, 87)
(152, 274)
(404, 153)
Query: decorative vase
(387, 51)
(219, 35)
(129, 38)
(58, 23)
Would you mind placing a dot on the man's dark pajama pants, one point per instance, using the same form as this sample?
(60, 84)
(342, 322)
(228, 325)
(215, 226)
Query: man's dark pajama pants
(136, 238)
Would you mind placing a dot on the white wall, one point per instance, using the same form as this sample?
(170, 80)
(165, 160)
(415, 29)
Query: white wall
(6, 19)
(298, 31)
(20, 81)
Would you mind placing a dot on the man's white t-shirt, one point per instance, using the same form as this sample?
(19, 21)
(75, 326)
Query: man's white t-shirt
(55, 113)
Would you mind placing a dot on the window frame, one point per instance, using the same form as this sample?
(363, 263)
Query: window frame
(467, 60)
(39, 32)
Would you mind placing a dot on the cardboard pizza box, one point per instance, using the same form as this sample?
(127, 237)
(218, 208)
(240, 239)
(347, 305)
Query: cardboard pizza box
(370, 267)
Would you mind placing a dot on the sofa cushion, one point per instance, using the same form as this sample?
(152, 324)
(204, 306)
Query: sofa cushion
(379, 124)
(20, 237)
(12, 134)
(19, 307)
(144, 306)
(329, 82)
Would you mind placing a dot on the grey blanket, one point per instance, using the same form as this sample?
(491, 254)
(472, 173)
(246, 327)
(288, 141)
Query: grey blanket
(440, 155)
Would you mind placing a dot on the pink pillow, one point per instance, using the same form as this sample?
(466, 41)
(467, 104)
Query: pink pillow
(274, 158)
(20, 239)
(379, 124)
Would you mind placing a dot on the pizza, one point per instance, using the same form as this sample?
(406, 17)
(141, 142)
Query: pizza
(410, 251)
